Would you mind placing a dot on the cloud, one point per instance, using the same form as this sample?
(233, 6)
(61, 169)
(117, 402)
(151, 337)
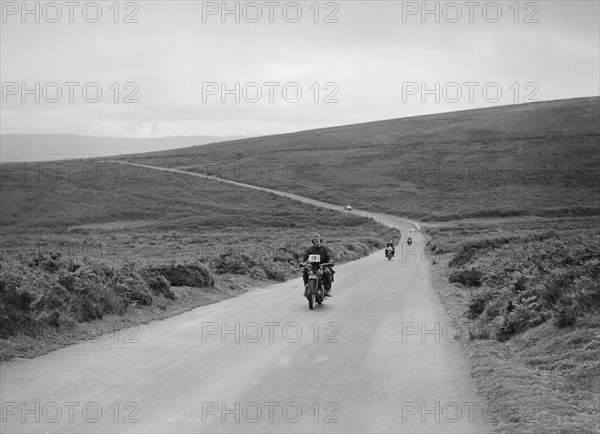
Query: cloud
(369, 55)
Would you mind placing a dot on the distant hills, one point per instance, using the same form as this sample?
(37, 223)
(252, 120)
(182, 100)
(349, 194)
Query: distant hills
(45, 147)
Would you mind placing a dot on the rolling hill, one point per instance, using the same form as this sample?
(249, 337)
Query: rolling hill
(529, 159)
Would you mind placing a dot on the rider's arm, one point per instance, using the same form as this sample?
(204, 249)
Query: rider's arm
(304, 257)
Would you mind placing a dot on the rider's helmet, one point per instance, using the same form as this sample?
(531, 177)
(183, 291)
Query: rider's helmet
(316, 239)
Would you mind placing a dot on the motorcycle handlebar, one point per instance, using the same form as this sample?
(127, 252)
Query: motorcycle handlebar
(328, 264)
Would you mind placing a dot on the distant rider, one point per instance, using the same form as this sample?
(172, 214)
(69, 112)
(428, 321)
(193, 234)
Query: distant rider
(390, 243)
(318, 248)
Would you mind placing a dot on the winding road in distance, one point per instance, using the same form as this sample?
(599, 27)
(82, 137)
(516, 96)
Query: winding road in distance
(379, 356)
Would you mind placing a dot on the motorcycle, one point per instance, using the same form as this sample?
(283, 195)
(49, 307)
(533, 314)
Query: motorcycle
(315, 292)
(389, 253)
(409, 241)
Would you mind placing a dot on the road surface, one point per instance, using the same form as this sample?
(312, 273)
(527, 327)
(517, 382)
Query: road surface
(379, 356)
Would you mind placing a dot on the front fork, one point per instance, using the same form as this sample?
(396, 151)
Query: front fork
(318, 276)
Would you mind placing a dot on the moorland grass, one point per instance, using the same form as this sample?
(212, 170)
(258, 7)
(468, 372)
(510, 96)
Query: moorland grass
(531, 326)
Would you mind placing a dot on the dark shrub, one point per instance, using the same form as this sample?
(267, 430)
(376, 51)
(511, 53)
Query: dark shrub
(468, 251)
(557, 283)
(556, 279)
(274, 272)
(286, 254)
(519, 319)
(478, 304)
(44, 291)
(566, 316)
(471, 277)
(587, 293)
(141, 298)
(8, 322)
(463, 257)
(519, 284)
(89, 311)
(48, 262)
(374, 242)
(196, 275)
(235, 263)
(134, 293)
(158, 284)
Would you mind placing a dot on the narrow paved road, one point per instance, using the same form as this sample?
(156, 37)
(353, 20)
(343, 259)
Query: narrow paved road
(380, 356)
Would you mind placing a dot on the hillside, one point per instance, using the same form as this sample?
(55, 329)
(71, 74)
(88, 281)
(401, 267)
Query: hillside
(540, 158)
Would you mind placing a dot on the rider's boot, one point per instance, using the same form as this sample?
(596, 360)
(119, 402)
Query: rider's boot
(328, 292)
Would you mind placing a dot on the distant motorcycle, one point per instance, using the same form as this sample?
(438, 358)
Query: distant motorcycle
(409, 241)
(389, 253)
(315, 292)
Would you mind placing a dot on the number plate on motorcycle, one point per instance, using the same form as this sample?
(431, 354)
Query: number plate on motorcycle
(314, 258)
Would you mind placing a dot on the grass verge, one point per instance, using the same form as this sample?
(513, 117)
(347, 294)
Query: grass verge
(529, 323)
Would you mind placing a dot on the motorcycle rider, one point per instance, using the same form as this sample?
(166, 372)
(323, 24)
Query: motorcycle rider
(318, 248)
(390, 243)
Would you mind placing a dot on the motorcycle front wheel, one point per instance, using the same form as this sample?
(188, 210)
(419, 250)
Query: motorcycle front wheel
(312, 293)
(320, 296)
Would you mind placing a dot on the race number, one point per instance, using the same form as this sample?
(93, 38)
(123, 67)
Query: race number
(314, 258)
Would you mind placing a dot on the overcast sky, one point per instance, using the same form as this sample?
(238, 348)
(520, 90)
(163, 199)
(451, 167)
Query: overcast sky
(369, 62)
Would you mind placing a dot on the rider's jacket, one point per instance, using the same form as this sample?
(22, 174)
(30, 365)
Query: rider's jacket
(326, 255)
